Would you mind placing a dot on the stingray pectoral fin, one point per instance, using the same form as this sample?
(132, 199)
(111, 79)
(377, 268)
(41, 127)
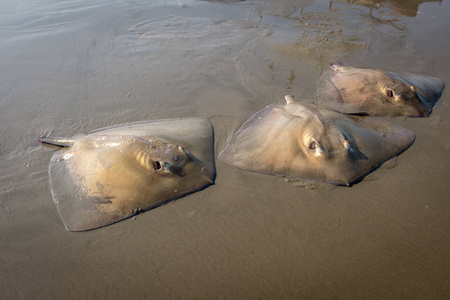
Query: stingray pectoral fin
(427, 88)
(78, 211)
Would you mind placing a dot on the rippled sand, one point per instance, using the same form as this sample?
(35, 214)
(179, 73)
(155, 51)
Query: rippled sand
(74, 66)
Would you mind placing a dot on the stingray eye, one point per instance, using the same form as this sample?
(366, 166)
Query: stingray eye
(390, 93)
(316, 148)
(313, 145)
(157, 166)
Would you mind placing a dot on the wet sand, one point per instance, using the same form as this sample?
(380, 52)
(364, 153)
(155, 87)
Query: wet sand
(71, 67)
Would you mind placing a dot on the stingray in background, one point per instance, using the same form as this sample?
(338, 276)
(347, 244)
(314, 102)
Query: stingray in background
(305, 141)
(379, 93)
(115, 172)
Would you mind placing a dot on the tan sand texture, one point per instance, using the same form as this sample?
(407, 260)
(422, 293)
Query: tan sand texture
(69, 67)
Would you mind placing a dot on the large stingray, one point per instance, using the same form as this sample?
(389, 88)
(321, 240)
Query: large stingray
(305, 141)
(377, 92)
(113, 173)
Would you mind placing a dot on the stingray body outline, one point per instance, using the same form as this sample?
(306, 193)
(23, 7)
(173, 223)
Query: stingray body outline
(115, 172)
(376, 92)
(305, 141)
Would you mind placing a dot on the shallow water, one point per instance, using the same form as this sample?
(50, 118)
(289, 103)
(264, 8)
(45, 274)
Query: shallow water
(69, 67)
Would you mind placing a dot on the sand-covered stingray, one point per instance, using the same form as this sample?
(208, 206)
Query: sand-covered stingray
(377, 92)
(115, 172)
(305, 141)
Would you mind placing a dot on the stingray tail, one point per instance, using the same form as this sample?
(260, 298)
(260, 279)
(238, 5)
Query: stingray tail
(55, 141)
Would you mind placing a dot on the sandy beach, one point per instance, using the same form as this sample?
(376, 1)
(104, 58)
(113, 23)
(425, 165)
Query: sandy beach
(69, 67)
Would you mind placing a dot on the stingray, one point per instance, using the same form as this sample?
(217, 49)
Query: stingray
(116, 172)
(306, 141)
(379, 93)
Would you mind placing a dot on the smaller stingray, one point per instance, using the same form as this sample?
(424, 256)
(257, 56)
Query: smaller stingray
(305, 141)
(378, 93)
(115, 172)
